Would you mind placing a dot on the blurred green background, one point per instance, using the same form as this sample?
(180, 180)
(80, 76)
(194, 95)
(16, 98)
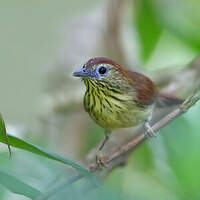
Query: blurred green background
(43, 42)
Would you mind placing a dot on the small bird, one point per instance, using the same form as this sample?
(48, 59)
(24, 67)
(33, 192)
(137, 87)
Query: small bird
(115, 97)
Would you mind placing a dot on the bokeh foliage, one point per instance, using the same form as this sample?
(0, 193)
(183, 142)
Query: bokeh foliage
(166, 167)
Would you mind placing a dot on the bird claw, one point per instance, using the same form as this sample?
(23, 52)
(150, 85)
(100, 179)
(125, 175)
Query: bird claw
(99, 160)
(149, 133)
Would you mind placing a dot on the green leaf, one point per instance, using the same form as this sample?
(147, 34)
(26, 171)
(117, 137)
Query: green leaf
(4, 133)
(17, 186)
(58, 188)
(148, 29)
(21, 144)
(181, 18)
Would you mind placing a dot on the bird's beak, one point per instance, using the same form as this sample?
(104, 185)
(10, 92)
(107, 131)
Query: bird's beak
(84, 73)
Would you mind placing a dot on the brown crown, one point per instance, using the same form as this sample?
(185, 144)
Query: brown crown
(101, 60)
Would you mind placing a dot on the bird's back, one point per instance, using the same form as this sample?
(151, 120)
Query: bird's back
(145, 89)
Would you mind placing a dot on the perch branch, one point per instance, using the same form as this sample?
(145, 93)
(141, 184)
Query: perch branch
(184, 107)
(132, 144)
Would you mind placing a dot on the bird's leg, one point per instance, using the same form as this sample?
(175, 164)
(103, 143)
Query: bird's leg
(99, 155)
(103, 142)
(149, 133)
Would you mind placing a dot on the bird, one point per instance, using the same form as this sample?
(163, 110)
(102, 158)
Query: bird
(116, 97)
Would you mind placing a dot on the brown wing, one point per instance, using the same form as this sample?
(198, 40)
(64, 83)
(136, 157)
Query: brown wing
(146, 90)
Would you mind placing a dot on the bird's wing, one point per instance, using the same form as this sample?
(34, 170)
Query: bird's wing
(145, 89)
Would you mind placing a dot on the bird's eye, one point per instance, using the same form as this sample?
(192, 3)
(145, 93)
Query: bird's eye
(102, 70)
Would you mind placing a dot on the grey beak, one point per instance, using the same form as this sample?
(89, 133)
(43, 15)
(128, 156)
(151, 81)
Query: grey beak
(80, 73)
(84, 72)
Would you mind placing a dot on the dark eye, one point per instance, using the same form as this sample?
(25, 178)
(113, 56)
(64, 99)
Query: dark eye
(102, 70)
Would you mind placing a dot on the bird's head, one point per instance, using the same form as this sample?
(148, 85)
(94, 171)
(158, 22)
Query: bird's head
(106, 74)
(100, 69)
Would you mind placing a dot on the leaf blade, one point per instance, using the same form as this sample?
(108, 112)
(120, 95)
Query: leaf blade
(17, 186)
(4, 133)
(22, 144)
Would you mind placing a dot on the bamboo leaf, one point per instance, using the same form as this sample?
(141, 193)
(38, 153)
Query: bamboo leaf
(4, 133)
(21, 144)
(17, 186)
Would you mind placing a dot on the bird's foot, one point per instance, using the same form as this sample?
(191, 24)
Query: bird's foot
(148, 131)
(100, 161)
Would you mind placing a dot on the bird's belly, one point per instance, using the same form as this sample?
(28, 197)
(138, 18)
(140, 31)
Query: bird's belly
(115, 120)
(114, 115)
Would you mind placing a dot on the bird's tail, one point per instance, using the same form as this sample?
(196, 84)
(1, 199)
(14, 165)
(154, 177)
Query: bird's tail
(168, 100)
